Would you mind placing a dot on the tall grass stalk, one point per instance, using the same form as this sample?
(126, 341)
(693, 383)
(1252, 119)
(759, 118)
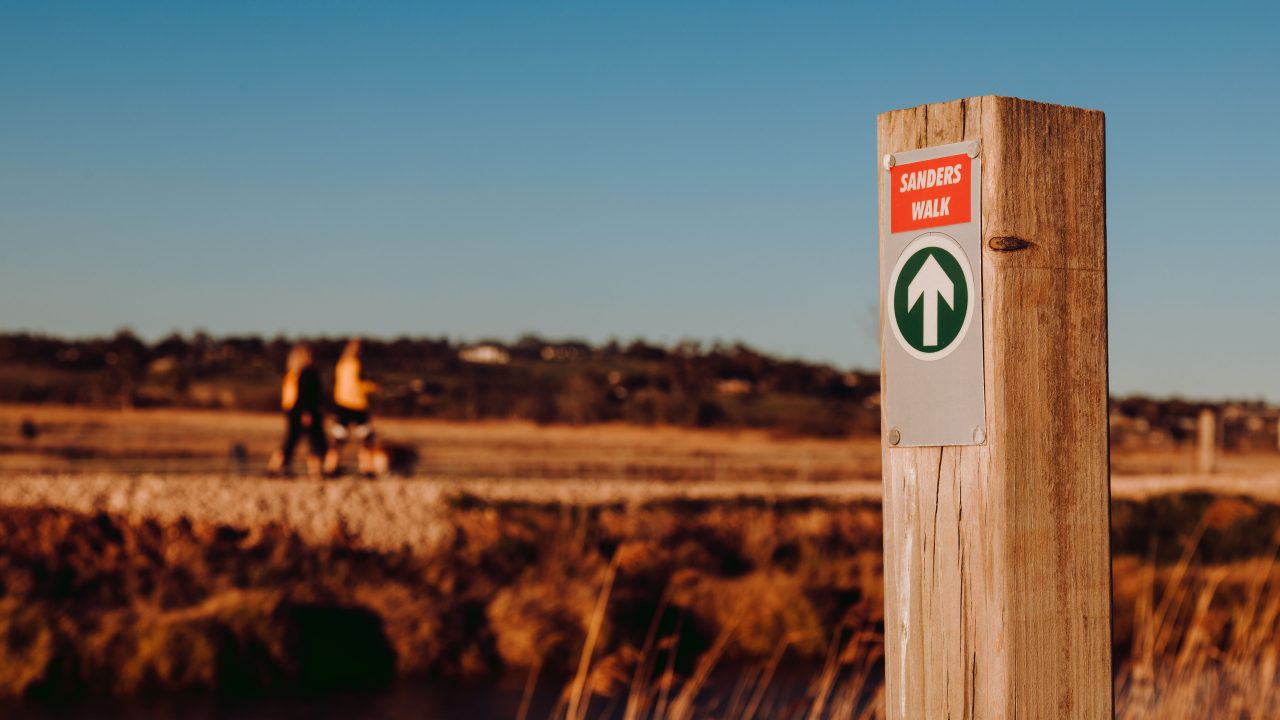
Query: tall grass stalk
(576, 709)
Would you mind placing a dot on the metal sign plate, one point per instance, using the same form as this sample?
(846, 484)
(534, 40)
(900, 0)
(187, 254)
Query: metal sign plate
(931, 290)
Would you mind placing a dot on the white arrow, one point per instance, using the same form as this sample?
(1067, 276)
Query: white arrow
(931, 283)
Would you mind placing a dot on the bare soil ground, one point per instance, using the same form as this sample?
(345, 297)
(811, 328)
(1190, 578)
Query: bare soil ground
(177, 442)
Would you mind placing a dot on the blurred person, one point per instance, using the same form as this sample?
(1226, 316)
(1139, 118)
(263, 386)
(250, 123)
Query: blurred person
(351, 412)
(301, 400)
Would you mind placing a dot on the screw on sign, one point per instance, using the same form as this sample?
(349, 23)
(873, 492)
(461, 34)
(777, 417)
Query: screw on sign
(930, 299)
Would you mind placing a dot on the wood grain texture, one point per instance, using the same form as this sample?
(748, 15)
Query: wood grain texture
(997, 557)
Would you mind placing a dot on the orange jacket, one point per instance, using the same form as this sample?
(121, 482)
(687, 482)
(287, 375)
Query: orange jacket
(349, 390)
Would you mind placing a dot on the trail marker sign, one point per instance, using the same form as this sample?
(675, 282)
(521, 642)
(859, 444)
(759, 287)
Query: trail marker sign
(931, 272)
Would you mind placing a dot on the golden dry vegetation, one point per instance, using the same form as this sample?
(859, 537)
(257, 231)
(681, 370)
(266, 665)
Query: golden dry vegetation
(694, 580)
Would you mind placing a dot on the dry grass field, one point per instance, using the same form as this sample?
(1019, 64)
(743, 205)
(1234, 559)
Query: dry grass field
(552, 572)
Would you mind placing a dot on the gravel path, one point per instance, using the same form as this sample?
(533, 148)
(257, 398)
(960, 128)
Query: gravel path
(398, 513)
(383, 515)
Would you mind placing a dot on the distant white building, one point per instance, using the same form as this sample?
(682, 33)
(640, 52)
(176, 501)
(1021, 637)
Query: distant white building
(484, 355)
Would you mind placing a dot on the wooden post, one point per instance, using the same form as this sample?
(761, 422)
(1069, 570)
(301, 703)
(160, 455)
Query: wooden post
(997, 556)
(1206, 441)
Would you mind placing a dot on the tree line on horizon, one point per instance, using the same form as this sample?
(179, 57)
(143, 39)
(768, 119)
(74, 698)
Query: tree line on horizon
(544, 381)
(533, 379)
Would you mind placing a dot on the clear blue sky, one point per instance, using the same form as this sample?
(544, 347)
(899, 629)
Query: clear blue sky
(666, 170)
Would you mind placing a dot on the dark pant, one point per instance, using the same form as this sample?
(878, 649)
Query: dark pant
(295, 430)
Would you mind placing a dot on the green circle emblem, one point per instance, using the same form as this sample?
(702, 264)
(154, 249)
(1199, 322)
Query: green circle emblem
(930, 297)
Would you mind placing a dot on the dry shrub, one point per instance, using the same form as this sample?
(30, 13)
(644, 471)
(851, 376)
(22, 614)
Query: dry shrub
(1225, 512)
(417, 620)
(763, 608)
(27, 646)
(642, 559)
(542, 618)
(230, 642)
(94, 605)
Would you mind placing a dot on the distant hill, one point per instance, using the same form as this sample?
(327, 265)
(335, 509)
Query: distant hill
(532, 379)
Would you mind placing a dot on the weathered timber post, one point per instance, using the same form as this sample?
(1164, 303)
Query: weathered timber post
(1206, 441)
(996, 478)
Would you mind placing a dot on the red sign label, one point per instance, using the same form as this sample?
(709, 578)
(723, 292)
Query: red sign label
(930, 193)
